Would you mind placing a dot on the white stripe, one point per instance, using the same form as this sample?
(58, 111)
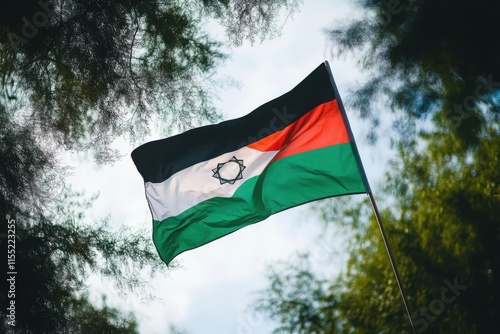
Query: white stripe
(195, 184)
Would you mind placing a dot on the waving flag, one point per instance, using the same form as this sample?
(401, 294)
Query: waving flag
(210, 181)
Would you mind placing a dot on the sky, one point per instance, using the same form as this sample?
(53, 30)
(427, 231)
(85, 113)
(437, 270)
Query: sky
(213, 291)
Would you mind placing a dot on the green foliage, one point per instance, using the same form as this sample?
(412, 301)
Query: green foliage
(298, 300)
(95, 70)
(86, 318)
(174, 330)
(426, 56)
(251, 19)
(444, 229)
(75, 76)
(57, 248)
(83, 73)
(56, 251)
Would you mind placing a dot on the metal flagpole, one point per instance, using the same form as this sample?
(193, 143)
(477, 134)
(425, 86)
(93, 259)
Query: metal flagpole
(372, 200)
(391, 258)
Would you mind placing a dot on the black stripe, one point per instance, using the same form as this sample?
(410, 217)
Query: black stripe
(156, 161)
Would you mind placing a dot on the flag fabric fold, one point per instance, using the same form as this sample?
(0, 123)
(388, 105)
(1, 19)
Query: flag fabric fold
(211, 181)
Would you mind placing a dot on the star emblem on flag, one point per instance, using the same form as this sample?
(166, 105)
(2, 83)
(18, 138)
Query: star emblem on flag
(229, 171)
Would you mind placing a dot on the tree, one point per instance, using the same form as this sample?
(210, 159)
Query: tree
(83, 73)
(75, 76)
(55, 251)
(427, 57)
(298, 300)
(444, 229)
(52, 248)
(84, 317)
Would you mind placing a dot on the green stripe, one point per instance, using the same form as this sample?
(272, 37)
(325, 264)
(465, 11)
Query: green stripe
(288, 182)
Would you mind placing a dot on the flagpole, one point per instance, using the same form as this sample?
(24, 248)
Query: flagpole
(372, 200)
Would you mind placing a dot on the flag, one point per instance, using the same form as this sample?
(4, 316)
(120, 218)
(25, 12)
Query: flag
(213, 180)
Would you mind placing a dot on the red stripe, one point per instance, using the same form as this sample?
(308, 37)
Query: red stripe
(321, 127)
